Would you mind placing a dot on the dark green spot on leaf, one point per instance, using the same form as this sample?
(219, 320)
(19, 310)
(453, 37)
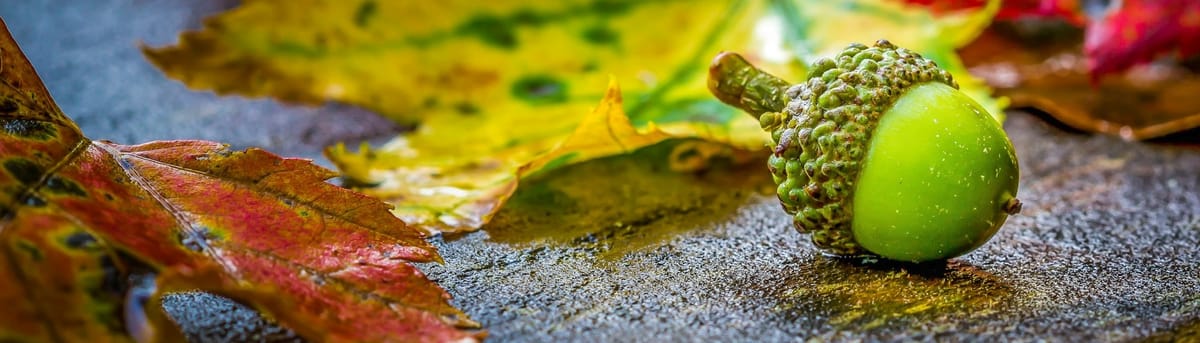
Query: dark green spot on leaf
(80, 240)
(430, 102)
(34, 253)
(8, 105)
(365, 12)
(24, 170)
(611, 7)
(529, 17)
(600, 35)
(63, 186)
(590, 67)
(540, 89)
(466, 108)
(492, 30)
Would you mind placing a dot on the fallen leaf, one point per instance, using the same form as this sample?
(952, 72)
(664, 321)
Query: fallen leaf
(1137, 31)
(1125, 34)
(503, 90)
(448, 191)
(820, 29)
(468, 60)
(1145, 102)
(1068, 10)
(84, 223)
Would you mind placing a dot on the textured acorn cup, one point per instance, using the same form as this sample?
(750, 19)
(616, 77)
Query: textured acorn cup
(879, 154)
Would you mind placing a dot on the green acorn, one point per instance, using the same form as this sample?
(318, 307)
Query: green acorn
(879, 154)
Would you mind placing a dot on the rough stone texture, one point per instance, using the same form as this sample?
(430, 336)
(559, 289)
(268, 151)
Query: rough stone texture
(1106, 248)
(195, 312)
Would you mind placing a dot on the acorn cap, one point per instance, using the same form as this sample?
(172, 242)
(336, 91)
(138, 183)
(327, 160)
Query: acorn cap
(822, 133)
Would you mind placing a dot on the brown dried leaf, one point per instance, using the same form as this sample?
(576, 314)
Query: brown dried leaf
(1141, 103)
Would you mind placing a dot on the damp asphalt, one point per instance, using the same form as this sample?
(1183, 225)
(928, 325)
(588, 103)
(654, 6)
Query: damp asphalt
(1105, 249)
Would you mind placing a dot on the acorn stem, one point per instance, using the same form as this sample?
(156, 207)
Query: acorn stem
(738, 83)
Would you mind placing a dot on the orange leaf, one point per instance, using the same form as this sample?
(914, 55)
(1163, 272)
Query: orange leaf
(82, 222)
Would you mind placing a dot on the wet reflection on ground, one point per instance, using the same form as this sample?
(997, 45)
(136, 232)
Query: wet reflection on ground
(850, 293)
(615, 205)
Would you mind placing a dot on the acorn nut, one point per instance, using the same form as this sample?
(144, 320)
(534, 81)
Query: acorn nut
(878, 153)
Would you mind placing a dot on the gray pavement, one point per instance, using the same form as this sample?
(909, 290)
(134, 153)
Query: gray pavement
(1105, 250)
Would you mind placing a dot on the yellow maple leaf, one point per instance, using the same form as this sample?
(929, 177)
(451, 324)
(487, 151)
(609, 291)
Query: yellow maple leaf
(503, 88)
(462, 192)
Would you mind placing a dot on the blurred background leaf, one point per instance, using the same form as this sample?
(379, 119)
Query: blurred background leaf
(504, 89)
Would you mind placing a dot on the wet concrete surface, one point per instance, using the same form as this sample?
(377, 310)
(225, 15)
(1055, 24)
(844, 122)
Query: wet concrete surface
(1106, 248)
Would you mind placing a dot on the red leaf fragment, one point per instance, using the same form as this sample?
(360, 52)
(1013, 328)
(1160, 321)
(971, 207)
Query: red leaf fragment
(1144, 102)
(1139, 31)
(1012, 9)
(1132, 33)
(80, 218)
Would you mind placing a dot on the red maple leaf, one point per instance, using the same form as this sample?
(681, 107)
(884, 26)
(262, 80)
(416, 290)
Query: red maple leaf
(82, 222)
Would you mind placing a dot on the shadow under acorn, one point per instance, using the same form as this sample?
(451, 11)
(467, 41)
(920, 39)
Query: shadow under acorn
(857, 294)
